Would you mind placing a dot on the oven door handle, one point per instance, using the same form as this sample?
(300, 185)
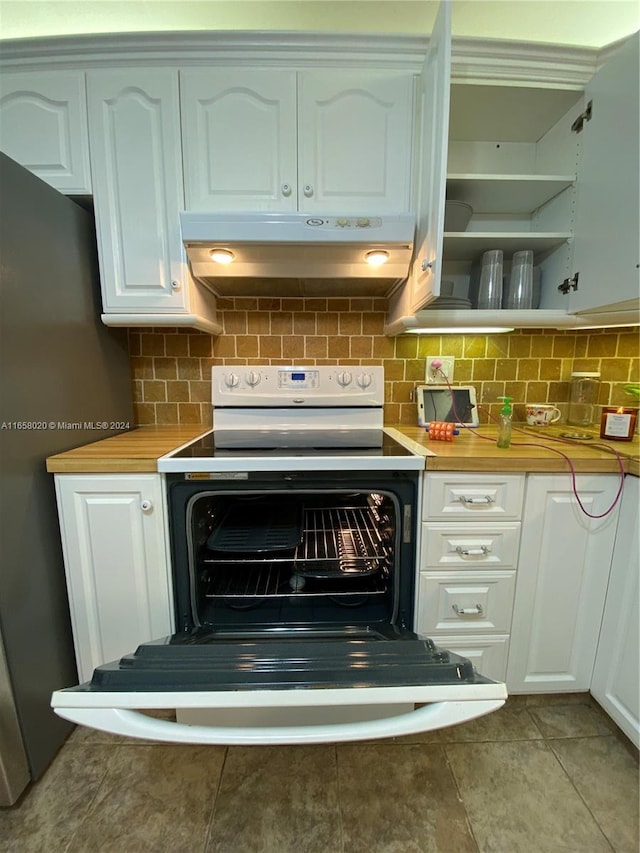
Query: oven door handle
(131, 723)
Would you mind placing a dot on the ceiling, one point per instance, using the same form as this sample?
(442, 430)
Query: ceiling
(591, 23)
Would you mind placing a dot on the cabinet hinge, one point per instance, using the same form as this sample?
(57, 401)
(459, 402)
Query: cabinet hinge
(578, 124)
(569, 284)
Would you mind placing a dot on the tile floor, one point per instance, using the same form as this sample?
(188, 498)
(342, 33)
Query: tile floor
(542, 775)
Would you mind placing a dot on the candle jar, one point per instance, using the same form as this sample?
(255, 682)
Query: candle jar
(618, 423)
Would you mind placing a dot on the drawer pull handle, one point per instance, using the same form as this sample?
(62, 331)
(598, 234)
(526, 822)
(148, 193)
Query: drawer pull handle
(467, 611)
(487, 499)
(482, 551)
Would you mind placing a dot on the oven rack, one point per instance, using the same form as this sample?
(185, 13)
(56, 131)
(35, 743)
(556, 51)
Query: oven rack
(256, 582)
(336, 542)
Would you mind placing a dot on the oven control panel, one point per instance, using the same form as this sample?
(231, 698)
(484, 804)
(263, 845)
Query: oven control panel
(267, 385)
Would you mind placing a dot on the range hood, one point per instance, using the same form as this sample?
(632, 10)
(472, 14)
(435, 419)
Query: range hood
(298, 254)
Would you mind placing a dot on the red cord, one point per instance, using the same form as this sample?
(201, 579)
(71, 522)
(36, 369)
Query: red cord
(572, 469)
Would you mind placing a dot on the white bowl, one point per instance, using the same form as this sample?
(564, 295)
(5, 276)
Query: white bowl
(457, 215)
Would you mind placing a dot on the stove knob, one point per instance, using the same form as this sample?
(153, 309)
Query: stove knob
(253, 378)
(231, 380)
(344, 379)
(364, 380)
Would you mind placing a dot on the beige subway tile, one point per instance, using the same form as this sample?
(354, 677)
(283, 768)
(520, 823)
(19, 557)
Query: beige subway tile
(134, 344)
(224, 347)
(506, 368)
(463, 370)
(528, 368)
(154, 391)
(408, 414)
(293, 347)
(559, 392)
(165, 368)
(406, 346)
(177, 391)
(176, 345)
(304, 323)
(519, 346)
(144, 414)
(259, 323)
(137, 391)
(361, 304)
(202, 345)
(151, 344)
(189, 413)
(282, 323)
(634, 370)
(451, 345)
(490, 391)
(563, 346)
(538, 392)
(351, 324)
(293, 304)
(315, 346)
(235, 322)
(167, 413)
(497, 346)
(373, 323)
(384, 348)
(188, 368)
(516, 390)
(271, 346)
(361, 346)
(628, 344)
(142, 367)
(328, 323)
(206, 413)
(267, 303)
(394, 371)
(602, 346)
(401, 392)
(484, 369)
(391, 413)
(315, 304)
(429, 345)
(581, 344)
(340, 305)
(550, 368)
(338, 347)
(541, 346)
(247, 346)
(244, 303)
(199, 391)
(475, 346)
(615, 369)
(415, 370)
(225, 303)
(585, 364)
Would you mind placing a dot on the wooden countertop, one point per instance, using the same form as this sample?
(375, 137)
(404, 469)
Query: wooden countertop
(531, 450)
(137, 451)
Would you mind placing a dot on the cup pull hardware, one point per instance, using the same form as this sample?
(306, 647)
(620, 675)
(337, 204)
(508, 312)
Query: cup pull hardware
(467, 611)
(482, 551)
(486, 499)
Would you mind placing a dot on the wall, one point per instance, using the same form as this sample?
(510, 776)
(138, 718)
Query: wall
(171, 367)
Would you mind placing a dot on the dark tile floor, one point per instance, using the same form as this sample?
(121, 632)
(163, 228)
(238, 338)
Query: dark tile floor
(542, 775)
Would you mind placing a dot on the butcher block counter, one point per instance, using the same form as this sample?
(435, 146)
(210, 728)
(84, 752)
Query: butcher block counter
(532, 450)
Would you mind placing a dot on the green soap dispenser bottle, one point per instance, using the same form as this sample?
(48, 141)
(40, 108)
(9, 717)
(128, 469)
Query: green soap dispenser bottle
(504, 424)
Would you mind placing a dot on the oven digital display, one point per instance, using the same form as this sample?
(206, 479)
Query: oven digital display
(298, 379)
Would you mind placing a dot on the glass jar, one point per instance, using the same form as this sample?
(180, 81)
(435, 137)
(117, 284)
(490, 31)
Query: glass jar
(583, 398)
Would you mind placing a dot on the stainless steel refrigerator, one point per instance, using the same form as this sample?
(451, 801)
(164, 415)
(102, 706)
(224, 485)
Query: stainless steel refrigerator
(58, 365)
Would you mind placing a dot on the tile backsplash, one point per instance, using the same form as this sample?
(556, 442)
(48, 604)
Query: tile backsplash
(171, 367)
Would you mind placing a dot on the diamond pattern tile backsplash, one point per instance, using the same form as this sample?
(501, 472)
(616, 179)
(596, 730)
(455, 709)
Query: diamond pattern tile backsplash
(171, 367)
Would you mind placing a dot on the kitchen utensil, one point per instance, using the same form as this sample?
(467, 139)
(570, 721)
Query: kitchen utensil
(542, 414)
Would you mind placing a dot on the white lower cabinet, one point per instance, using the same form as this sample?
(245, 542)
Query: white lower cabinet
(616, 675)
(113, 529)
(563, 572)
(470, 537)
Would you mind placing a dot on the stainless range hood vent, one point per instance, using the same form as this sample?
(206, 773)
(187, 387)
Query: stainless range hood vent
(296, 254)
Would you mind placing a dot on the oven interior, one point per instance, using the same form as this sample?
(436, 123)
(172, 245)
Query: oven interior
(278, 559)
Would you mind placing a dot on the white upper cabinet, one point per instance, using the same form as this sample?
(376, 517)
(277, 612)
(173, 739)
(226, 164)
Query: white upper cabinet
(43, 126)
(316, 141)
(239, 138)
(134, 127)
(354, 141)
(606, 252)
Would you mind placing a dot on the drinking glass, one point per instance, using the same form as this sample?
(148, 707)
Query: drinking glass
(520, 292)
(490, 287)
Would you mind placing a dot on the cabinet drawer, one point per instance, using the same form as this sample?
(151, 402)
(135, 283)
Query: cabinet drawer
(473, 496)
(469, 546)
(488, 654)
(467, 603)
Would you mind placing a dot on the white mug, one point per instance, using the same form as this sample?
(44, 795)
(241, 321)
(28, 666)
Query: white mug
(542, 414)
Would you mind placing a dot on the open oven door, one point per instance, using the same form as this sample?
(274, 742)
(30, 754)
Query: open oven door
(314, 687)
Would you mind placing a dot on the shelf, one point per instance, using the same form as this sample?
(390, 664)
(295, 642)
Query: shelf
(506, 194)
(468, 245)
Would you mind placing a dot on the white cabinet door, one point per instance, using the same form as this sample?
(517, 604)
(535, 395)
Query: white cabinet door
(239, 139)
(354, 141)
(563, 573)
(113, 531)
(616, 677)
(43, 126)
(424, 280)
(134, 131)
(606, 246)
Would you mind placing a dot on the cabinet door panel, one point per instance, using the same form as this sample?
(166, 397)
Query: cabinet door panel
(116, 564)
(354, 134)
(134, 127)
(606, 242)
(469, 546)
(465, 603)
(239, 136)
(43, 126)
(563, 573)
